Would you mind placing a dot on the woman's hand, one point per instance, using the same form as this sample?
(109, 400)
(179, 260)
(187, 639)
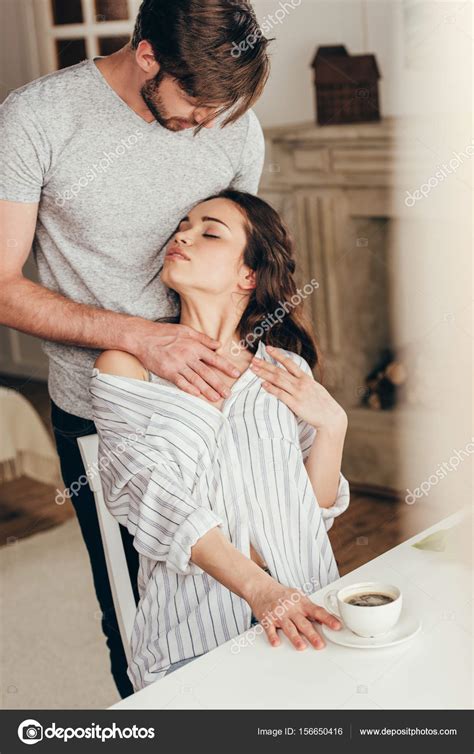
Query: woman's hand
(300, 392)
(277, 606)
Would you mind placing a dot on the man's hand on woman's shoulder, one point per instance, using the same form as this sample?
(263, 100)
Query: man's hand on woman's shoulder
(121, 364)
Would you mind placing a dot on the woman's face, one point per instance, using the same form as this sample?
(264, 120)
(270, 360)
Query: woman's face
(206, 252)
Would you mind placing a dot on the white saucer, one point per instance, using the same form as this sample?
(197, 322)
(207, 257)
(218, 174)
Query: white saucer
(407, 627)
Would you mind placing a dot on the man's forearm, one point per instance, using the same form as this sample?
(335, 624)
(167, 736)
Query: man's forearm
(35, 310)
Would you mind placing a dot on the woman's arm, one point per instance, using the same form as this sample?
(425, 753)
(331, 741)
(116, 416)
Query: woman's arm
(274, 605)
(323, 463)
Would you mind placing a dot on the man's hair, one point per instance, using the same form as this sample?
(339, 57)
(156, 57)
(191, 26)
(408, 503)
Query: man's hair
(213, 48)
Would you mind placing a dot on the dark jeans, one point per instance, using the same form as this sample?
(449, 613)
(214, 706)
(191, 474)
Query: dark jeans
(67, 428)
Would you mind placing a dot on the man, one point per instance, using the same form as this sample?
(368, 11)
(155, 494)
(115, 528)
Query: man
(99, 163)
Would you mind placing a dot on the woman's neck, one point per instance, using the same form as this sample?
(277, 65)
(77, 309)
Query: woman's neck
(213, 321)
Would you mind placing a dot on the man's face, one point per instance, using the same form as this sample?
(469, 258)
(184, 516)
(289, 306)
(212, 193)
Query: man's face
(171, 106)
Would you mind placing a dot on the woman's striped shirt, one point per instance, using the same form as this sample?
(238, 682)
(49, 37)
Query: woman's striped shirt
(172, 467)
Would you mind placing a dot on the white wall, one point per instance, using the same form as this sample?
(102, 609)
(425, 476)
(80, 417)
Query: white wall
(18, 54)
(19, 354)
(405, 36)
(431, 256)
(289, 96)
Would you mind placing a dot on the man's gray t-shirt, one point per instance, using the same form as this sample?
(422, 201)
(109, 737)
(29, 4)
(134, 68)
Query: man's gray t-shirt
(111, 190)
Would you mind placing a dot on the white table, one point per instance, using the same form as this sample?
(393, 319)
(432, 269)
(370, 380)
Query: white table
(430, 671)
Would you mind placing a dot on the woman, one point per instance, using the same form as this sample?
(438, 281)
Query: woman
(229, 501)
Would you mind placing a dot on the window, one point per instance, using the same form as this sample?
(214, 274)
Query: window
(69, 31)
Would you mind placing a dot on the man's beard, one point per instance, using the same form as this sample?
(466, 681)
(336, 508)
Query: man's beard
(154, 102)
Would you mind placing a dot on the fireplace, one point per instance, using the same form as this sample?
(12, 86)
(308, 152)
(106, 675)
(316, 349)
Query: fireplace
(334, 187)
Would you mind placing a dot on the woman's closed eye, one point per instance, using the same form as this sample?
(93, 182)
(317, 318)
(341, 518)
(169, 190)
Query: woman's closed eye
(209, 235)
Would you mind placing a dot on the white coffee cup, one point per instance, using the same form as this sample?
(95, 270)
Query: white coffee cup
(363, 620)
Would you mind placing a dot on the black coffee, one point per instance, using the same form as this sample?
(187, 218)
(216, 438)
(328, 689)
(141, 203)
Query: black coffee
(369, 599)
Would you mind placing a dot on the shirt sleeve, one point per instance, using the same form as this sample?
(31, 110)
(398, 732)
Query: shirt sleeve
(145, 491)
(24, 151)
(249, 172)
(340, 505)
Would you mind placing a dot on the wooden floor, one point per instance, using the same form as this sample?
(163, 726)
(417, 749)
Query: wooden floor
(373, 525)
(370, 526)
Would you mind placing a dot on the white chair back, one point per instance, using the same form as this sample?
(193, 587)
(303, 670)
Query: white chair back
(117, 568)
